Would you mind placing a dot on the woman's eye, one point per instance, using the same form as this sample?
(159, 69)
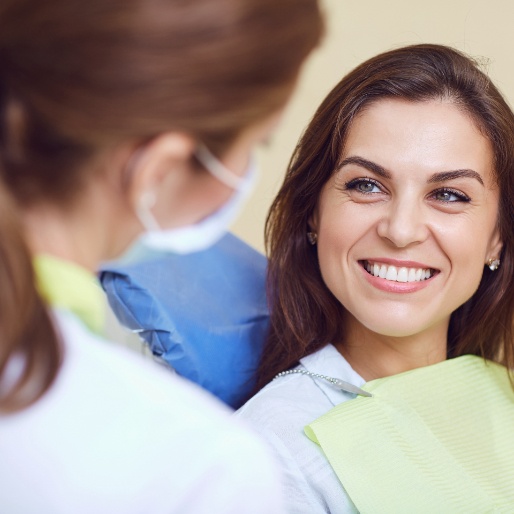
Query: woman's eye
(364, 186)
(449, 195)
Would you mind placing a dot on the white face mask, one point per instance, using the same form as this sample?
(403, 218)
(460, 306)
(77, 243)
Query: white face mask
(205, 233)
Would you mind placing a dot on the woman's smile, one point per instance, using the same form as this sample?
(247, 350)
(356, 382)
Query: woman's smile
(400, 277)
(401, 272)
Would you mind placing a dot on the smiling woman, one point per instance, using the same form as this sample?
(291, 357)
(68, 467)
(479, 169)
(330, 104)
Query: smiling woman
(391, 249)
(406, 201)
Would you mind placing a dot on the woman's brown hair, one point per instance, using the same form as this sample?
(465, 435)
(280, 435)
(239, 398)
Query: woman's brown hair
(78, 77)
(305, 316)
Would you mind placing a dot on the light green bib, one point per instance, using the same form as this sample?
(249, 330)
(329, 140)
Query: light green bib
(436, 440)
(68, 286)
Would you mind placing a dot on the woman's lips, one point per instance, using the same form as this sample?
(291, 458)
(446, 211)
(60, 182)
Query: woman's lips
(397, 273)
(399, 277)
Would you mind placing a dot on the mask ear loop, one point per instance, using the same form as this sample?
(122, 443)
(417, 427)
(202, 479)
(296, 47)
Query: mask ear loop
(148, 198)
(216, 168)
(143, 211)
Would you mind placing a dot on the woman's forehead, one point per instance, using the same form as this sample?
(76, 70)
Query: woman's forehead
(427, 137)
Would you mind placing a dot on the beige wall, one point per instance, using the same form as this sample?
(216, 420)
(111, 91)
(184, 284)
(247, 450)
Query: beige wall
(359, 29)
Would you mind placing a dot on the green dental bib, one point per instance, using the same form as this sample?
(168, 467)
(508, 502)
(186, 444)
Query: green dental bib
(436, 440)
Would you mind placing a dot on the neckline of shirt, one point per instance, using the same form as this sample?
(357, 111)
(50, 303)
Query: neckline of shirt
(328, 361)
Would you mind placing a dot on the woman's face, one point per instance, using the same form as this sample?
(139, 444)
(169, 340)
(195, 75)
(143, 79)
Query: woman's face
(407, 222)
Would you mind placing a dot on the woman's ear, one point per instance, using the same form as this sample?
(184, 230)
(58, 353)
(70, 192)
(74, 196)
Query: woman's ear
(166, 157)
(495, 246)
(312, 221)
(312, 231)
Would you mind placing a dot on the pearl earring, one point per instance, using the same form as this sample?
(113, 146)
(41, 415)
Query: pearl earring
(493, 264)
(312, 238)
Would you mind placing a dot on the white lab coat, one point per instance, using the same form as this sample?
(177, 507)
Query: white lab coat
(118, 435)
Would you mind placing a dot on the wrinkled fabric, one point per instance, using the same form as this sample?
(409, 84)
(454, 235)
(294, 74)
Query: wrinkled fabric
(204, 314)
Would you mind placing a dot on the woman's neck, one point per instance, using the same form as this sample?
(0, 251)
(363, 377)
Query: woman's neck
(374, 355)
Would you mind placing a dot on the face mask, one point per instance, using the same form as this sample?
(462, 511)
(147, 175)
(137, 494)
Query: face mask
(205, 233)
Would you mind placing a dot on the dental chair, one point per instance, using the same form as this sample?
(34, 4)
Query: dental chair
(204, 314)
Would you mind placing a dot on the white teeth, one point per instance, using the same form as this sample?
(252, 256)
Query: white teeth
(391, 274)
(403, 275)
(397, 274)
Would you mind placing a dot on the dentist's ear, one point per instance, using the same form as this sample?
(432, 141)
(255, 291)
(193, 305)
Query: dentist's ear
(165, 158)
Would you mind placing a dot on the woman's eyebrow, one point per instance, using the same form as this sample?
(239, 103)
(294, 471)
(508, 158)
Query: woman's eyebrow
(450, 175)
(364, 163)
(436, 177)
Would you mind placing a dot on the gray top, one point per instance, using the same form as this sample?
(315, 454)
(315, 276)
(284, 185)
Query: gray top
(280, 411)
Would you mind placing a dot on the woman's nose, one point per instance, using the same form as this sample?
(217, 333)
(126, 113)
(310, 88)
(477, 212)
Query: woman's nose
(403, 223)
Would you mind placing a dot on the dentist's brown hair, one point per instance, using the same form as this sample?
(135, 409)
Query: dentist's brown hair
(305, 316)
(79, 77)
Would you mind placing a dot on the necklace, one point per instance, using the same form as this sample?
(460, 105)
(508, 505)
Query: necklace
(341, 384)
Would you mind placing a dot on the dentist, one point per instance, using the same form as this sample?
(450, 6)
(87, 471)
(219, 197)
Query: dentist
(122, 120)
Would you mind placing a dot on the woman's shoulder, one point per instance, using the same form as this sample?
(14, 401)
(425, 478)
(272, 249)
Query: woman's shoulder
(292, 398)
(301, 394)
(281, 410)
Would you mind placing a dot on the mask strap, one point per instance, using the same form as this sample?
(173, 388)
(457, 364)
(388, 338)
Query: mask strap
(216, 168)
(143, 210)
(148, 199)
